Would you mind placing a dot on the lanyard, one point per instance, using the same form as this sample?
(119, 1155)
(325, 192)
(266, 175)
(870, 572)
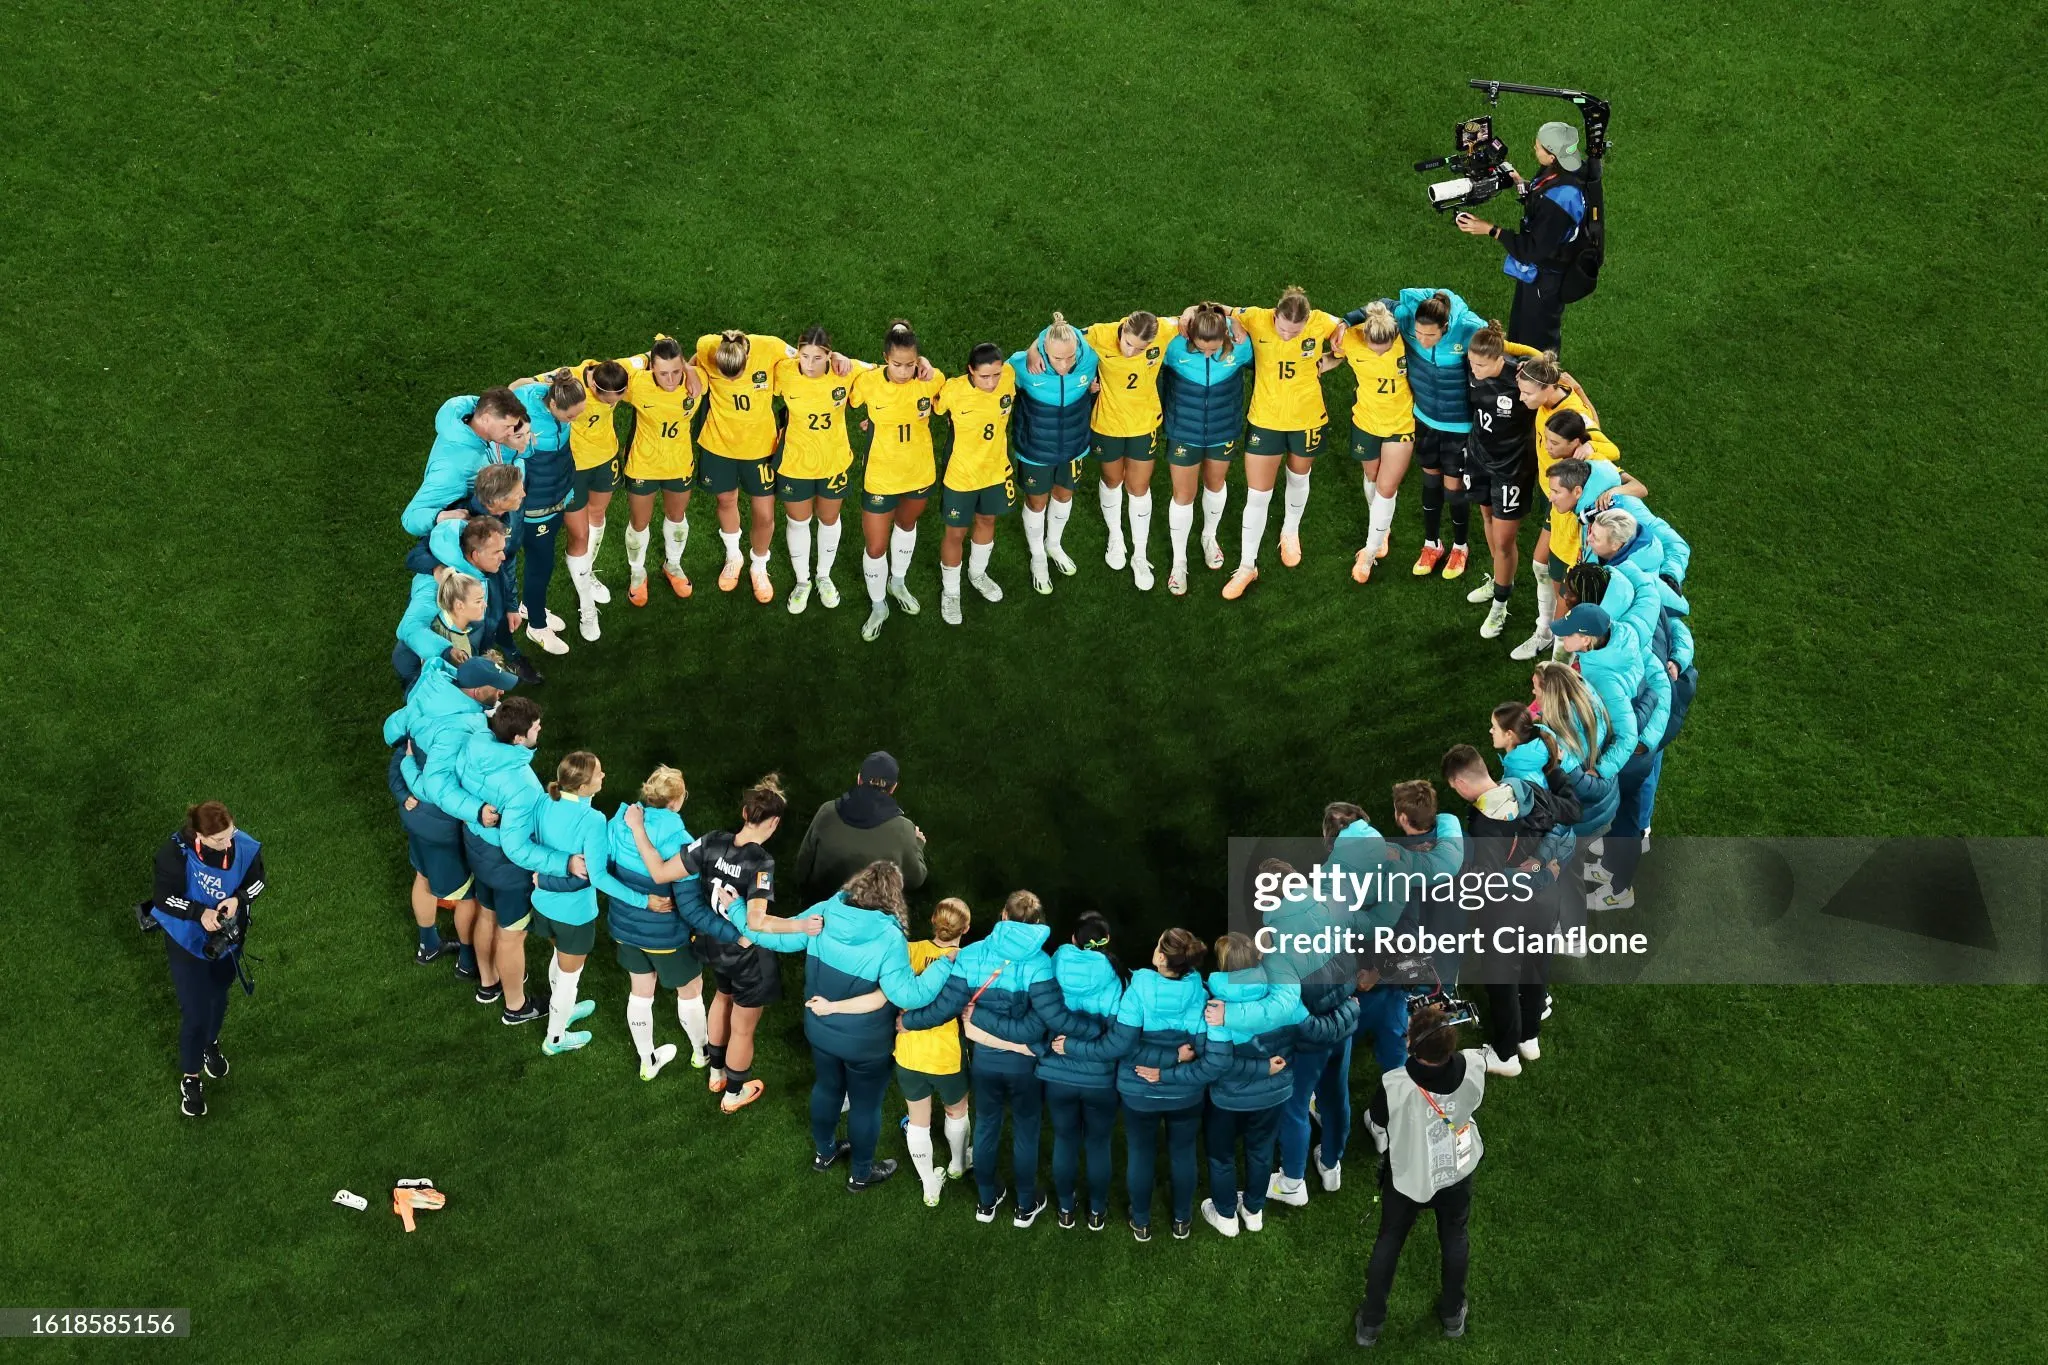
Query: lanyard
(1431, 1101)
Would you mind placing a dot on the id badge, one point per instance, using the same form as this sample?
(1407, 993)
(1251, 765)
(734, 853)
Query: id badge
(1461, 1143)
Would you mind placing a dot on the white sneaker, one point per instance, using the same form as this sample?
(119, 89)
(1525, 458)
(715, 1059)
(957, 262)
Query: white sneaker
(949, 609)
(1532, 646)
(545, 637)
(586, 621)
(1612, 900)
(799, 598)
(1496, 619)
(990, 590)
(599, 591)
(900, 591)
(663, 1055)
(1333, 1176)
(1496, 1067)
(1226, 1226)
(553, 622)
(1276, 1189)
(934, 1187)
(1115, 555)
(828, 594)
(1483, 591)
(872, 630)
(1598, 875)
(1141, 574)
(1597, 846)
(1062, 561)
(1212, 552)
(1253, 1222)
(1531, 1051)
(1041, 580)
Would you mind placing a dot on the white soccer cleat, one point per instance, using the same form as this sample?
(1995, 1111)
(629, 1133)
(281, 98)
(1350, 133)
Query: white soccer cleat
(1496, 1067)
(799, 598)
(1177, 580)
(1212, 552)
(871, 630)
(1226, 1226)
(599, 591)
(1041, 579)
(899, 592)
(1496, 621)
(1276, 1189)
(949, 608)
(586, 621)
(1141, 574)
(1062, 561)
(1483, 592)
(1332, 1176)
(699, 1059)
(934, 1187)
(1532, 646)
(663, 1055)
(990, 590)
(1115, 554)
(546, 638)
(1531, 1051)
(828, 594)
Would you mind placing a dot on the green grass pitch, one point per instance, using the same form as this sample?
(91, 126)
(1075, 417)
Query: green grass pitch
(249, 248)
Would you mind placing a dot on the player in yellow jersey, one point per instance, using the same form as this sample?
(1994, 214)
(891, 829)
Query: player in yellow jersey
(1382, 423)
(594, 448)
(901, 468)
(816, 465)
(1286, 420)
(739, 439)
(977, 487)
(1548, 389)
(664, 390)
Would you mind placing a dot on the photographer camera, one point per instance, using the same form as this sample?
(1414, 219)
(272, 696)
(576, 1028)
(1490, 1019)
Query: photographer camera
(1543, 252)
(207, 876)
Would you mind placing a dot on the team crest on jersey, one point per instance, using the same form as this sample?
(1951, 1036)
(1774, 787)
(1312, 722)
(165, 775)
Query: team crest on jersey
(1151, 353)
(1400, 364)
(1457, 348)
(839, 395)
(1507, 405)
(924, 407)
(1308, 345)
(1004, 403)
(760, 378)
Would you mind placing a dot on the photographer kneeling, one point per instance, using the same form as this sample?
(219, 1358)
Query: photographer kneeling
(1549, 241)
(207, 875)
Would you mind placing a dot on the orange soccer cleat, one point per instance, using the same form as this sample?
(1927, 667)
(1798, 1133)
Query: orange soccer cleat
(729, 576)
(677, 580)
(1361, 566)
(1290, 550)
(1454, 567)
(636, 593)
(1426, 562)
(1239, 581)
(744, 1096)
(764, 587)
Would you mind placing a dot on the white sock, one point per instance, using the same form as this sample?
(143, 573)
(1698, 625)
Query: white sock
(949, 582)
(902, 544)
(1213, 502)
(959, 1139)
(1111, 500)
(1254, 526)
(579, 575)
(1381, 511)
(1294, 503)
(875, 568)
(674, 535)
(798, 534)
(828, 546)
(561, 1003)
(1141, 523)
(640, 1023)
(758, 562)
(1056, 514)
(1034, 533)
(1546, 597)
(690, 1014)
(596, 537)
(554, 971)
(1180, 519)
(977, 558)
(919, 1141)
(731, 541)
(636, 550)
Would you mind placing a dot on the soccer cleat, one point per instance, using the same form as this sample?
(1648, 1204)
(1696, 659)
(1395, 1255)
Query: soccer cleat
(729, 575)
(679, 582)
(192, 1097)
(828, 594)
(1097, 1221)
(1116, 555)
(990, 590)
(735, 1101)
(799, 598)
(1598, 875)
(1332, 1176)
(1361, 566)
(1426, 562)
(545, 637)
(1025, 1218)
(636, 590)
(568, 1042)
(599, 593)
(525, 1014)
(879, 1171)
(1495, 622)
(949, 609)
(1226, 1226)
(489, 995)
(586, 621)
(1276, 1189)
(1482, 593)
(1612, 900)
(1454, 567)
(583, 1010)
(715, 1081)
(1141, 1231)
(1177, 580)
(1041, 581)
(663, 1055)
(1364, 1333)
(764, 587)
(1239, 581)
(1532, 646)
(1141, 574)
(986, 1213)
(1454, 1327)
(1532, 1051)
(825, 1161)
(1381, 553)
(1252, 1222)
(899, 592)
(1061, 560)
(422, 954)
(871, 630)
(1183, 1228)
(1496, 1067)
(1212, 552)
(1290, 550)
(216, 1065)
(934, 1187)
(698, 1061)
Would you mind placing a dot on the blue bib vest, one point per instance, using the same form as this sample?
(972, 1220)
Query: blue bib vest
(207, 887)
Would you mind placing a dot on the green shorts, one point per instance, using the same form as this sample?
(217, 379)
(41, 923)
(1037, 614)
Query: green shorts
(1365, 445)
(922, 1085)
(574, 939)
(1037, 480)
(599, 479)
(888, 502)
(647, 488)
(1110, 449)
(755, 478)
(1266, 441)
(831, 489)
(678, 967)
(1182, 457)
(993, 501)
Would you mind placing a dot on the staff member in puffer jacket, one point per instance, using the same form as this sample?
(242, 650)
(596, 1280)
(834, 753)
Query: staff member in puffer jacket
(207, 875)
(1161, 1073)
(860, 947)
(990, 992)
(1079, 1000)
(1246, 1099)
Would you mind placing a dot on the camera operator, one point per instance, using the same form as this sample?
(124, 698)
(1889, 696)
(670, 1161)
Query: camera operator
(1549, 241)
(207, 875)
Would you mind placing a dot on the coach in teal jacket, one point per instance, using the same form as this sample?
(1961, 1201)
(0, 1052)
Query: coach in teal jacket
(469, 433)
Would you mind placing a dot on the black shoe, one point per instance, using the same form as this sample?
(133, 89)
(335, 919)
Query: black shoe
(1182, 1229)
(525, 1014)
(422, 955)
(986, 1213)
(191, 1097)
(524, 670)
(470, 973)
(825, 1161)
(489, 995)
(1366, 1335)
(880, 1171)
(1097, 1222)
(215, 1064)
(1026, 1217)
(1455, 1327)
(1066, 1218)
(1142, 1231)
